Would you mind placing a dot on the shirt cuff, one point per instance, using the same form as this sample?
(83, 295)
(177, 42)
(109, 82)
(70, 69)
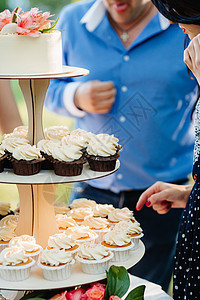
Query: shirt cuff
(68, 100)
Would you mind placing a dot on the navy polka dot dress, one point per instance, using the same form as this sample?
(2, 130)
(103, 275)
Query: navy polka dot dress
(187, 259)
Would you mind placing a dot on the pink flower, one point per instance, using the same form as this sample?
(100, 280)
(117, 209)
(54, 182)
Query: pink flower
(61, 296)
(5, 18)
(94, 293)
(75, 294)
(114, 298)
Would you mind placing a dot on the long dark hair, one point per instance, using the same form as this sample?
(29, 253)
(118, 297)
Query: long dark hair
(180, 11)
(185, 12)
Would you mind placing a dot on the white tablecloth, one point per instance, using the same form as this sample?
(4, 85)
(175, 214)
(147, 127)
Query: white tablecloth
(152, 292)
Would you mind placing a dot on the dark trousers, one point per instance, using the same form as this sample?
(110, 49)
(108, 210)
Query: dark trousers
(160, 231)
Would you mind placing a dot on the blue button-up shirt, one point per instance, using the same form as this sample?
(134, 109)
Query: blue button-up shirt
(151, 113)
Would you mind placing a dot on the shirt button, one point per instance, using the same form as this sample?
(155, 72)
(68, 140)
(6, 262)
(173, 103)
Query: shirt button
(119, 176)
(124, 88)
(122, 119)
(126, 57)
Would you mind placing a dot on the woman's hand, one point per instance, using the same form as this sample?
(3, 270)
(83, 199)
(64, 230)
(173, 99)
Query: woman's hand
(162, 196)
(95, 96)
(192, 57)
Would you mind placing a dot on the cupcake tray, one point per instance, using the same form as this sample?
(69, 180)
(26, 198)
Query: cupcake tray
(37, 282)
(49, 177)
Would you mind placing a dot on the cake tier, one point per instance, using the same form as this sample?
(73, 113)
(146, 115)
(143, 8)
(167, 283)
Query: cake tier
(31, 55)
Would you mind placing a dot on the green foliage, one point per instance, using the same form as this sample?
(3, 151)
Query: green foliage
(118, 283)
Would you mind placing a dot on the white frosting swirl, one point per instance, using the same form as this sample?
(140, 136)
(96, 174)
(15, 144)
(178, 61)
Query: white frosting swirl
(102, 145)
(26, 152)
(9, 221)
(80, 232)
(21, 128)
(46, 146)
(102, 210)
(80, 213)
(118, 215)
(83, 202)
(13, 256)
(4, 208)
(74, 140)
(82, 134)
(56, 133)
(92, 251)
(10, 144)
(95, 223)
(120, 239)
(129, 227)
(61, 208)
(66, 153)
(55, 257)
(64, 221)
(6, 233)
(18, 132)
(61, 241)
(26, 242)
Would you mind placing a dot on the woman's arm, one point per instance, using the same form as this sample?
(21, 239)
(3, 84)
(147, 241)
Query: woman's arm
(9, 114)
(162, 196)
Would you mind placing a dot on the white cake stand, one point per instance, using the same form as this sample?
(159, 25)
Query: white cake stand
(37, 192)
(37, 282)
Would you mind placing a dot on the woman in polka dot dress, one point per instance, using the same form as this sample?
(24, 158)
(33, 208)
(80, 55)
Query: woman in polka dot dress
(164, 196)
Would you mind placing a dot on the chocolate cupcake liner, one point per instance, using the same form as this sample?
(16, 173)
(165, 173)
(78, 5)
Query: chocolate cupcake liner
(102, 166)
(67, 169)
(25, 168)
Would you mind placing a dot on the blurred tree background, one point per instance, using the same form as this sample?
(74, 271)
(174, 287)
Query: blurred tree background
(45, 5)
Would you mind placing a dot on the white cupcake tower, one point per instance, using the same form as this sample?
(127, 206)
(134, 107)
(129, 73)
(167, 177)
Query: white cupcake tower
(37, 192)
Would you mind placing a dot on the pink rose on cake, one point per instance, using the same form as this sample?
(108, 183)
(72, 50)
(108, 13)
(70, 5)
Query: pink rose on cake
(31, 23)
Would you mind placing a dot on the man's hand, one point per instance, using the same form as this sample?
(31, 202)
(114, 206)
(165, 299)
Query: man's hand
(95, 96)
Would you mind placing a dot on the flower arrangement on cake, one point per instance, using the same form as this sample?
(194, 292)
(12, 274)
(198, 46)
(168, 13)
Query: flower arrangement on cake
(32, 23)
(116, 287)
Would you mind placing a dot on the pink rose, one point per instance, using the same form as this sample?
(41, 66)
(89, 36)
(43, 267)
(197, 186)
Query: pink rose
(75, 294)
(114, 298)
(94, 293)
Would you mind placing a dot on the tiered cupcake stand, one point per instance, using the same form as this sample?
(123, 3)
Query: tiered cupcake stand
(37, 192)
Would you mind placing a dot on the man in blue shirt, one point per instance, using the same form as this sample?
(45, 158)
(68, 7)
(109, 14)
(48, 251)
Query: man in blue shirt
(139, 90)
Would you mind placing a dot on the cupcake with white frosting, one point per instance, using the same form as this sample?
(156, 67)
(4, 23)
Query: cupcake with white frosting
(28, 243)
(120, 214)
(9, 221)
(6, 234)
(56, 133)
(18, 132)
(56, 264)
(61, 208)
(64, 222)
(94, 258)
(82, 234)
(78, 214)
(83, 202)
(67, 160)
(98, 225)
(133, 229)
(26, 160)
(102, 210)
(103, 152)
(120, 244)
(62, 241)
(15, 265)
(3, 157)
(45, 147)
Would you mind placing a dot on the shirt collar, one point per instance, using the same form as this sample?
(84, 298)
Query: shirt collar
(96, 13)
